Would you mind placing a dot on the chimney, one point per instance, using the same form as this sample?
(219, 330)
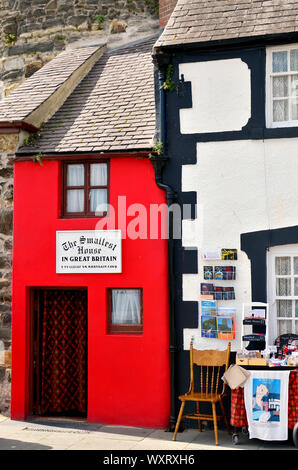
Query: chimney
(166, 8)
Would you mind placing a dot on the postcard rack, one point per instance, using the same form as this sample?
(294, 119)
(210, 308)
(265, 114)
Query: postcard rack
(255, 317)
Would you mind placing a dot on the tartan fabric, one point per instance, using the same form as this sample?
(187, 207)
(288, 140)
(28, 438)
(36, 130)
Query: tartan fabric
(293, 399)
(64, 356)
(238, 413)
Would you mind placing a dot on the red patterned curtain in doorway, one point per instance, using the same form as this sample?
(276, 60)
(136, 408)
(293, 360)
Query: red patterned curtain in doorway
(64, 353)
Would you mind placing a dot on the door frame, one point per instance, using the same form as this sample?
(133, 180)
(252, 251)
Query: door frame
(34, 353)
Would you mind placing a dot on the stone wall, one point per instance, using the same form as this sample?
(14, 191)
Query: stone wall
(8, 145)
(31, 34)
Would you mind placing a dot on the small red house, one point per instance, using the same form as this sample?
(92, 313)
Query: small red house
(90, 333)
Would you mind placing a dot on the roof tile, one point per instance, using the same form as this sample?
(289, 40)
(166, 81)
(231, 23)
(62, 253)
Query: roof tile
(42, 84)
(227, 19)
(113, 108)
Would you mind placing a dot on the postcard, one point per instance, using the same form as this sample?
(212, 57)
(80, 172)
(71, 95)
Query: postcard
(208, 326)
(225, 327)
(227, 253)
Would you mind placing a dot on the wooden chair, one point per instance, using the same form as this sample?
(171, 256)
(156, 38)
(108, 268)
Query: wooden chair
(212, 365)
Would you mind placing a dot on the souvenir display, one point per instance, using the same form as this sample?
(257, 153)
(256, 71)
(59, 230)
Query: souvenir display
(208, 272)
(254, 326)
(225, 273)
(225, 327)
(217, 323)
(208, 307)
(228, 254)
(207, 289)
(254, 337)
(218, 292)
(286, 352)
(224, 293)
(208, 326)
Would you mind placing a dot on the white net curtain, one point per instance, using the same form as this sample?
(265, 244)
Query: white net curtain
(97, 196)
(286, 274)
(126, 306)
(285, 85)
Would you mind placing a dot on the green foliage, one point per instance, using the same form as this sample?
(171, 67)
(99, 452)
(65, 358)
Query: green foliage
(100, 19)
(60, 37)
(169, 84)
(152, 5)
(38, 159)
(30, 141)
(157, 148)
(10, 39)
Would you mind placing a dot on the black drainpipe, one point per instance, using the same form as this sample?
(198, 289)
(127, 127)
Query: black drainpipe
(158, 163)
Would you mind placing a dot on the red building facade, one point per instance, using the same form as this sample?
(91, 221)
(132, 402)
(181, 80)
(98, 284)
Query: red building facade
(127, 373)
(89, 343)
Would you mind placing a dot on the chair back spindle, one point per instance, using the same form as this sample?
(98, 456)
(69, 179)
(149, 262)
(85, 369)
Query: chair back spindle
(212, 364)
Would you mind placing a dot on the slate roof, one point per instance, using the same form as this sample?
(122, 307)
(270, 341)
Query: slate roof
(43, 83)
(197, 21)
(113, 108)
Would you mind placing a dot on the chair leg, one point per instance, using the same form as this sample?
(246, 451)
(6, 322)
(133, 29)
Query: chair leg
(179, 419)
(199, 420)
(215, 422)
(224, 416)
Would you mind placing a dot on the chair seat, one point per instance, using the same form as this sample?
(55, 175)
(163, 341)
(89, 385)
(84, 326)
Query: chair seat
(213, 397)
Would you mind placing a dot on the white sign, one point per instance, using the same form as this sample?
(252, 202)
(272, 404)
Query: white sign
(88, 251)
(214, 254)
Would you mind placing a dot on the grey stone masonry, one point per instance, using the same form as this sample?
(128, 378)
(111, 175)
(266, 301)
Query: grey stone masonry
(34, 32)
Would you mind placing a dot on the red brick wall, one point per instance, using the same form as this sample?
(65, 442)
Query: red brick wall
(165, 9)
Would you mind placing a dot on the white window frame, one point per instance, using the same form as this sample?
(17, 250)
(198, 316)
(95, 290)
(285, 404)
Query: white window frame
(269, 75)
(273, 252)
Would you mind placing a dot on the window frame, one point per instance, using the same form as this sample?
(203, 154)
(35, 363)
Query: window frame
(86, 187)
(274, 252)
(269, 89)
(123, 328)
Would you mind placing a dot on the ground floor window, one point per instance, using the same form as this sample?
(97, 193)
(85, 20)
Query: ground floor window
(125, 311)
(283, 289)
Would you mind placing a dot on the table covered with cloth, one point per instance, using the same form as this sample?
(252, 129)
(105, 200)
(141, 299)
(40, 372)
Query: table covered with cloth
(238, 413)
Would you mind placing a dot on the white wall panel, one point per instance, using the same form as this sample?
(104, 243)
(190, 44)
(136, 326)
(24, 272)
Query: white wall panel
(221, 96)
(242, 186)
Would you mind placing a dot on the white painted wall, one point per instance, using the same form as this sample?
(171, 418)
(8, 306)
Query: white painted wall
(221, 96)
(242, 186)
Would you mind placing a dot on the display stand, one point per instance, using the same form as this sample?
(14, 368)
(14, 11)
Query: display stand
(258, 326)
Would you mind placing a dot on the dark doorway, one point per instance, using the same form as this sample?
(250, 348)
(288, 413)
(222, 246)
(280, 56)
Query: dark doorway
(59, 372)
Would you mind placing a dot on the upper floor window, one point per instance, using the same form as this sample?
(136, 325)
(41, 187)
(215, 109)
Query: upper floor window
(282, 86)
(85, 189)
